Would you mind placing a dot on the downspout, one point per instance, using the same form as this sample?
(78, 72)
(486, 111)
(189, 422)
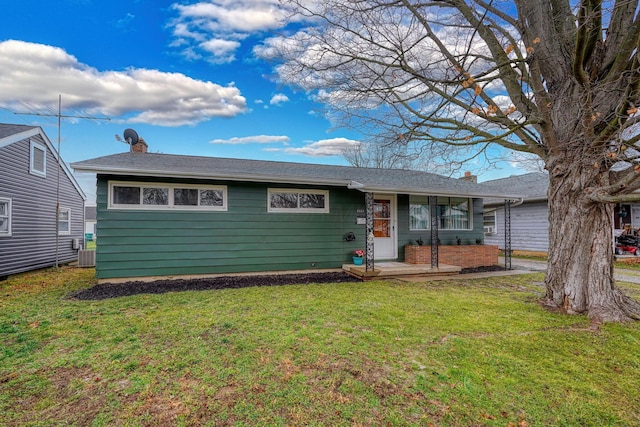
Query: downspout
(518, 203)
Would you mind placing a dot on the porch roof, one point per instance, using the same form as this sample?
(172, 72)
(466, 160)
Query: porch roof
(364, 179)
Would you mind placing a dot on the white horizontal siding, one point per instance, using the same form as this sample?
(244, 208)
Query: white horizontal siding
(529, 228)
(32, 243)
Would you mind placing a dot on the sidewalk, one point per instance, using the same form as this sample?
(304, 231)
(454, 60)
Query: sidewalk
(623, 275)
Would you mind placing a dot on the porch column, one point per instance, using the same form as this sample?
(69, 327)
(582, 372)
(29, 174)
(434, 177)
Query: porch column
(433, 213)
(507, 234)
(368, 198)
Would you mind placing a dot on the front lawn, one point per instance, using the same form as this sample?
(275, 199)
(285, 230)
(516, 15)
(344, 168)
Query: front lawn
(447, 353)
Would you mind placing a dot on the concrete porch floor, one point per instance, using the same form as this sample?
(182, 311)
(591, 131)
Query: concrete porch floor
(394, 269)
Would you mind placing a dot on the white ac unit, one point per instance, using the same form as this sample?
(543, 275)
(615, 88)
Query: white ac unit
(87, 258)
(489, 229)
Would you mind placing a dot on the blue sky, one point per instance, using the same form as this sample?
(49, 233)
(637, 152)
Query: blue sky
(183, 74)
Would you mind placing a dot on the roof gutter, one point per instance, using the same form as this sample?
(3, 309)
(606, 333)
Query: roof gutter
(518, 203)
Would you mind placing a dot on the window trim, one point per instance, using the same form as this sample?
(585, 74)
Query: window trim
(299, 191)
(32, 170)
(170, 205)
(60, 231)
(9, 217)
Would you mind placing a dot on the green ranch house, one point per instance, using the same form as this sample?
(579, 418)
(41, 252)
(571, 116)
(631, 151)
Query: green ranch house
(174, 215)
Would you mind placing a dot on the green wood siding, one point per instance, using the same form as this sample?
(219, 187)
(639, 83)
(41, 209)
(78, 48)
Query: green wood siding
(245, 238)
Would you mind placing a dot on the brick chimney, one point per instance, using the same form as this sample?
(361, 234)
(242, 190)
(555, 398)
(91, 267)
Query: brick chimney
(140, 147)
(469, 177)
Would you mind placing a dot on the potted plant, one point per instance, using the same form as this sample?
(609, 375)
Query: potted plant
(358, 254)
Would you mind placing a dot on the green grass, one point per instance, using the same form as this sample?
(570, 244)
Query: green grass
(448, 353)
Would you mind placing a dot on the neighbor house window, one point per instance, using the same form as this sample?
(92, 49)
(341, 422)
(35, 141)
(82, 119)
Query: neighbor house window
(38, 159)
(489, 219)
(454, 213)
(5, 217)
(419, 218)
(289, 200)
(64, 221)
(130, 195)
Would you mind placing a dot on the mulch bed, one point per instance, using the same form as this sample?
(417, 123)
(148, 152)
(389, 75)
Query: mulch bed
(115, 290)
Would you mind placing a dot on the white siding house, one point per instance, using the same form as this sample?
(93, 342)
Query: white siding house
(529, 220)
(33, 181)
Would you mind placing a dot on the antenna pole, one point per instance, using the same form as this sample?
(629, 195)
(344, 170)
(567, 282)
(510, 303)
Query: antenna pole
(58, 188)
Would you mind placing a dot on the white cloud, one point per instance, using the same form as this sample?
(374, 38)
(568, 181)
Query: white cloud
(324, 147)
(35, 74)
(256, 139)
(278, 98)
(222, 50)
(226, 20)
(237, 16)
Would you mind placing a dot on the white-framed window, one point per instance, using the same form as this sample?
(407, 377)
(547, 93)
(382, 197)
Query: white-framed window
(490, 223)
(5, 217)
(64, 221)
(419, 217)
(38, 159)
(157, 196)
(293, 200)
(454, 213)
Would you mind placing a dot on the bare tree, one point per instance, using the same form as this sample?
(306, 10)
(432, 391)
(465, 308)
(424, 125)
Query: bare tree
(390, 154)
(556, 79)
(374, 155)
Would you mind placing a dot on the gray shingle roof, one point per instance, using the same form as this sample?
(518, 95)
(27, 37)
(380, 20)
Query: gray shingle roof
(7, 129)
(12, 133)
(366, 179)
(531, 186)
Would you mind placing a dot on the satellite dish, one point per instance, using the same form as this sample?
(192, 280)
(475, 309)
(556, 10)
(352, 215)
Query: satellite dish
(131, 136)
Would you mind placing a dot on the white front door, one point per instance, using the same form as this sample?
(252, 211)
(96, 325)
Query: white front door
(385, 242)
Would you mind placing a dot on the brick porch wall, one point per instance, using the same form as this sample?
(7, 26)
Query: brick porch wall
(465, 256)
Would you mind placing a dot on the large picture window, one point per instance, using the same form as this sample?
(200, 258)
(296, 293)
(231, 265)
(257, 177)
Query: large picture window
(289, 200)
(38, 160)
(5, 217)
(131, 195)
(454, 213)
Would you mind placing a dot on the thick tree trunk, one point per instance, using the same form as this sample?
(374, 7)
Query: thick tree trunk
(580, 271)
